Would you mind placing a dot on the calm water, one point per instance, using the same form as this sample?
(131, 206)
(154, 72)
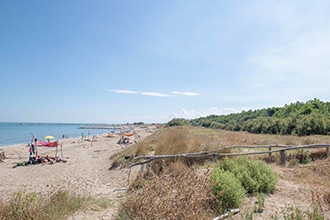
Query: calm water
(20, 133)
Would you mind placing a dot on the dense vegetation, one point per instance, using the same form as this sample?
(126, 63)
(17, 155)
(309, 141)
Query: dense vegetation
(301, 119)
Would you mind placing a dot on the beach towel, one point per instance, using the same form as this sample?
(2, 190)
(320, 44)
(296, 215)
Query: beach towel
(47, 144)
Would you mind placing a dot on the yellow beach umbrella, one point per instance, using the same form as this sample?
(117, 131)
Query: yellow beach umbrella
(49, 137)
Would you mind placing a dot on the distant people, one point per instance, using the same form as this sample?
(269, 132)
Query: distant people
(63, 136)
(32, 151)
(35, 146)
(31, 155)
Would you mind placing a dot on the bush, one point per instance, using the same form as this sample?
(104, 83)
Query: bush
(227, 188)
(254, 175)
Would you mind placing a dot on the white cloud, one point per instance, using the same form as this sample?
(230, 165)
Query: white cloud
(123, 91)
(154, 94)
(184, 114)
(158, 94)
(185, 93)
(192, 114)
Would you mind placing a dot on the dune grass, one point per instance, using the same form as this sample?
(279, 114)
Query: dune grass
(58, 205)
(190, 139)
(183, 194)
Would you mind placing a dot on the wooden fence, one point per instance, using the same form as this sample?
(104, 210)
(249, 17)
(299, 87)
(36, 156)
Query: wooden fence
(214, 154)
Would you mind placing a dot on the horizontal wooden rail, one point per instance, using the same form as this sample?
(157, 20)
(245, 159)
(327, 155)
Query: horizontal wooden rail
(214, 153)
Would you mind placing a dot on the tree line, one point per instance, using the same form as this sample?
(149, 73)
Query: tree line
(301, 119)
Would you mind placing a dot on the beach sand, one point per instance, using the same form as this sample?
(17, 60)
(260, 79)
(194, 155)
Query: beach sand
(86, 171)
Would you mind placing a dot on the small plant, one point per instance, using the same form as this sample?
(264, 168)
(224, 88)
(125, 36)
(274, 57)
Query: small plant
(247, 216)
(303, 156)
(259, 205)
(315, 214)
(122, 215)
(293, 162)
(291, 213)
(274, 217)
(298, 214)
(152, 147)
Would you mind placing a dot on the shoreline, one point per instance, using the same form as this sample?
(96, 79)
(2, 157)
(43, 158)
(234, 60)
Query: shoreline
(85, 171)
(60, 140)
(12, 134)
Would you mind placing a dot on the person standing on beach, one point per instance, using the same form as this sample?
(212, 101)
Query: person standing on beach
(31, 152)
(35, 147)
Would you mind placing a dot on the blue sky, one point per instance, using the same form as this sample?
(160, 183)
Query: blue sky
(150, 60)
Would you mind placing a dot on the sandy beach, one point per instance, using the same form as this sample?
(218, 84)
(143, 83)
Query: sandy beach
(86, 171)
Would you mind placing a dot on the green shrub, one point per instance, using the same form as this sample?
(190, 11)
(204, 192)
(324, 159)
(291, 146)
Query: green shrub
(227, 189)
(255, 175)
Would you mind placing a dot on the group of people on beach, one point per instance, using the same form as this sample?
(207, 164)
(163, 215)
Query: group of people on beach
(40, 160)
(34, 158)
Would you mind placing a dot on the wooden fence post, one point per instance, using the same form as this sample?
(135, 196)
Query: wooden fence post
(328, 152)
(141, 171)
(283, 157)
(270, 153)
(214, 158)
(148, 168)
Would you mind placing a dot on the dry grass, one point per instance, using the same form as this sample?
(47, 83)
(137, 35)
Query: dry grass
(314, 178)
(57, 205)
(178, 193)
(316, 173)
(178, 140)
(326, 199)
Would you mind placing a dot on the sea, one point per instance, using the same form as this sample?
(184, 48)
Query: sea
(13, 133)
